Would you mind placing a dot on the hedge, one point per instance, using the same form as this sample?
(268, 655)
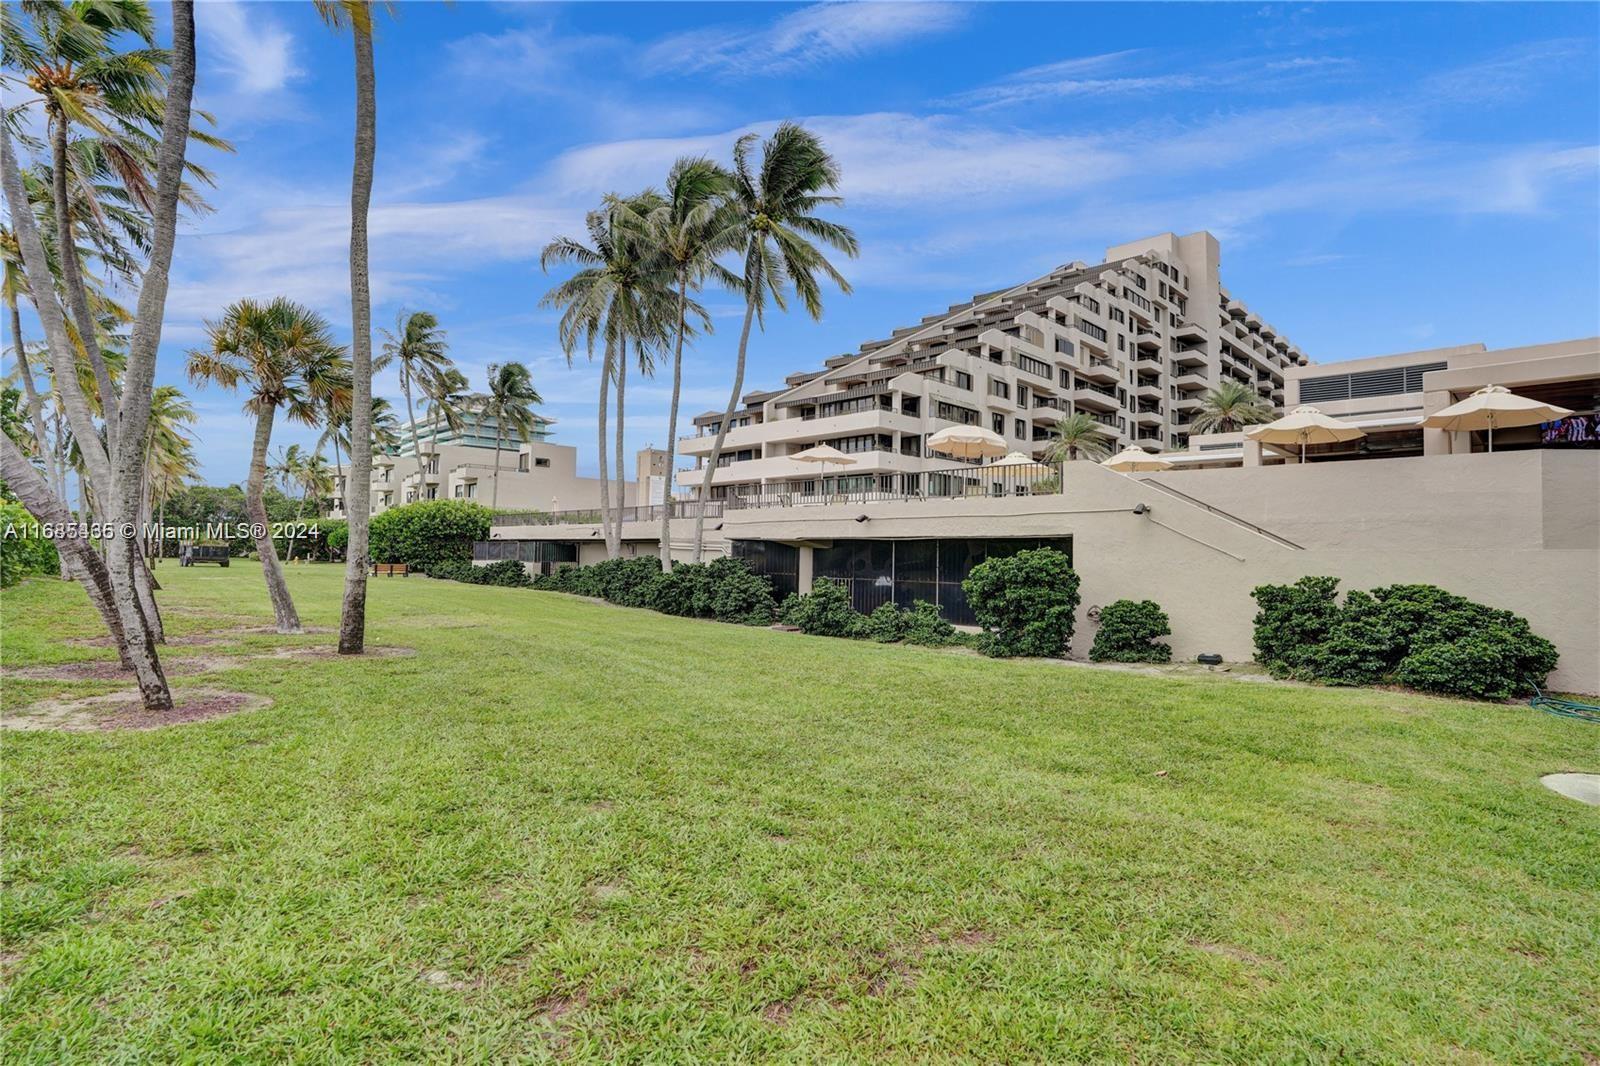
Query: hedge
(1025, 603)
(1415, 635)
(427, 532)
(23, 553)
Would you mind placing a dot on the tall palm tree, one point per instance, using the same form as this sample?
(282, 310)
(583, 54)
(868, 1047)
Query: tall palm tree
(316, 482)
(447, 394)
(287, 468)
(774, 204)
(1078, 436)
(509, 402)
(1230, 407)
(284, 355)
(689, 228)
(170, 461)
(357, 14)
(620, 293)
(417, 346)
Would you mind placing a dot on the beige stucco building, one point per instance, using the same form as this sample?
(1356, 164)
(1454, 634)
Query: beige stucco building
(1134, 342)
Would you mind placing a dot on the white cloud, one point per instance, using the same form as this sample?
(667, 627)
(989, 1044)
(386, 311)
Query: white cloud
(808, 37)
(244, 42)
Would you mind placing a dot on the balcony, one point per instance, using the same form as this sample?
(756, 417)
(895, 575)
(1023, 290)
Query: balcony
(1102, 370)
(1088, 396)
(1192, 356)
(1148, 416)
(1147, 340)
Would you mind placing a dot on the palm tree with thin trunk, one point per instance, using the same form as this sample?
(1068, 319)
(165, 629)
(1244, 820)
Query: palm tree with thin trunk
(447, 394)
(1078, 436)
(353, 611)
(1230, 407)
(621, 293)
(417, 348)
(689, 228)
(284, 355)
(774, 202)
(509, 401)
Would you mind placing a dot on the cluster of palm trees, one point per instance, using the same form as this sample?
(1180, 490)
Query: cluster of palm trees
(751, 228)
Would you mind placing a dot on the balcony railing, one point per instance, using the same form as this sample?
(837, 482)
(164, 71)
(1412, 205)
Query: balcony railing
(591, 515)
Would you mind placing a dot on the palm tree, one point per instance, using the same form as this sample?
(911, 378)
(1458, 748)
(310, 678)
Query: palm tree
(447, 399)
(1078, 436)
(1230, 407)
(417, 345)
(316, 481)
(284, 355)
(621, 292)
(169, 454)
(773, 208)
(287, 467)
(689, 228)
(509, 402)
(353, 611)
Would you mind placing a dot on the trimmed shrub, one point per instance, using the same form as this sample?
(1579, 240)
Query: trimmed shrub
(508, 573)
(1024, 602)
(924, 625)
(825, 611)
(428, 532)
(449, 570)
(335, 535)
(1416, 635)
(1291, 618)
(1128, 632)
(739, 595)
(886, 625)
(22, 552)
(684, 591)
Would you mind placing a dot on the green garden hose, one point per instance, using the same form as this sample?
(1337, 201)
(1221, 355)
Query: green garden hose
(1583, 712)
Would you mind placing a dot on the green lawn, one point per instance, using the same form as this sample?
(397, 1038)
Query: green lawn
(565, 829)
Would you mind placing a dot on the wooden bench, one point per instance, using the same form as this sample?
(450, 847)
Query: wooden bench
(391, 569)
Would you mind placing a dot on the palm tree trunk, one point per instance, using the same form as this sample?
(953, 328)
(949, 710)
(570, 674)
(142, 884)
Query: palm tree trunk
(722, 429)
(494, 489)
(622, 467)
(416, 447)
(672, 420)
(353, 614)
(72, 281)
(605, 477)
(77, 557)
(283, 611)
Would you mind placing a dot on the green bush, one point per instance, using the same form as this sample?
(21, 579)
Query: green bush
(1291, 618)
(449, 570)
(335, 535)
(1024, 602)
(825, 611)
(428, 532)
(508, 573)
(924, 625)
(1416, 635)
(739, 595)
(1128, 632)
(23, 553)
(886, 625)
(684, 591)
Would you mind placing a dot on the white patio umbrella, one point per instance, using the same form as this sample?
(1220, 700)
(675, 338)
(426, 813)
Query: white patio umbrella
(967, 442)
(822, 455)
(1021, 465)
(1494, 407)
(1134, 458)
(1302, 426)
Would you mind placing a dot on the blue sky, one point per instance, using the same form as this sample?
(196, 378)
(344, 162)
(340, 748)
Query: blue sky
(1382, 178)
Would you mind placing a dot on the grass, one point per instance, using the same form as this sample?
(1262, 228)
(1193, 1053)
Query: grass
(565, 829)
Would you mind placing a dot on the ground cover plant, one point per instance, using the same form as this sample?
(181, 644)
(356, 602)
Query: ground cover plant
(567, 829)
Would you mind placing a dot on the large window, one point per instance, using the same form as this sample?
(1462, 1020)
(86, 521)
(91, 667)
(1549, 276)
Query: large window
(903, 571)
(1366, 383)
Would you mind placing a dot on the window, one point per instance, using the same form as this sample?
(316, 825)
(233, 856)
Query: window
(911, 445)
(522, 462)
(950, 412)
(1366, 383)
(999, 388)
(902, 571)
(1022, 397)
(541, 461)
(998, 423)
(910, 405)
(1021, 429)
(961, 379)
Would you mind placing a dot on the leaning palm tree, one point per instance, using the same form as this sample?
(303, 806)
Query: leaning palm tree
(417, 347)
(283, 354)
(774, 204)
(509, 402)
(689, 228)
(169, 454)
(447, 394)
(1078, 436)
(316, 482)
(1230, 407)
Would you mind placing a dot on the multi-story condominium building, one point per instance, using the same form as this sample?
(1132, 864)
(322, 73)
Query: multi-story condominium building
(1133, 342)
(534, 474)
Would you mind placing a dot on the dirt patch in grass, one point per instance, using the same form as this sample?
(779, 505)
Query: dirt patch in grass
(1231, 951)
(122, 710)
(777, 1013)
(111, 669)
(328, 651)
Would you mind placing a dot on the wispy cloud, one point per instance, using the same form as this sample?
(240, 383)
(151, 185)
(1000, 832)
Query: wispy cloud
(1512, 74)
(811, 36)
(247, 45)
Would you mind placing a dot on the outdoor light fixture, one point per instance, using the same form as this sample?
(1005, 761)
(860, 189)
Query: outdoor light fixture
(861, 518)
(1141, 508)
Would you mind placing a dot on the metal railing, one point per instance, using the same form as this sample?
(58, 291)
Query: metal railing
(591, 515)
